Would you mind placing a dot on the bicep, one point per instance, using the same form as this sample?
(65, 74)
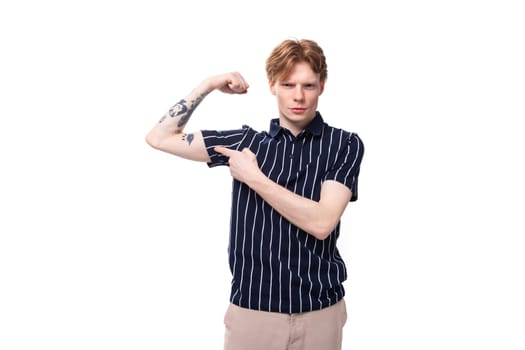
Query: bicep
(186, 145)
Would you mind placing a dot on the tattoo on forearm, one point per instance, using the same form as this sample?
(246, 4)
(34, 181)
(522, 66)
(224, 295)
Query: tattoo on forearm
(188, 137)
(178, 109)
(181, 109)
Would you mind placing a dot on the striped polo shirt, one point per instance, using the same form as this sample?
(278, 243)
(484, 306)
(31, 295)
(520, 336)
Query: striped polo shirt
(275, 265)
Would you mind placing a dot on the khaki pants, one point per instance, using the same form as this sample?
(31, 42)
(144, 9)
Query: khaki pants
(259, 330)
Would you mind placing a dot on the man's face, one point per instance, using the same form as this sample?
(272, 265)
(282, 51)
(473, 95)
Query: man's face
(297, 97)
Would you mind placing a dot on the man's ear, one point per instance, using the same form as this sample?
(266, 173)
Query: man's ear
(322, 87)
(272, 87)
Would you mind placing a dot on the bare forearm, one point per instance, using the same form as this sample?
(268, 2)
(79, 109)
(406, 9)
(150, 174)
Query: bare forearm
(176, 118)
(318, 218)
(309, 215)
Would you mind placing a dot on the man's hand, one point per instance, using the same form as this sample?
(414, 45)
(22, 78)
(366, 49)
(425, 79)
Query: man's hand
(230, 83)
(243, 164)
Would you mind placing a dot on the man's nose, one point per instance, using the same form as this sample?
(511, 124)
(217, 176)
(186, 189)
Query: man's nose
(299, 93)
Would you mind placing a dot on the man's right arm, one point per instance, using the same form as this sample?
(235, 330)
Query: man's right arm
(168, 134)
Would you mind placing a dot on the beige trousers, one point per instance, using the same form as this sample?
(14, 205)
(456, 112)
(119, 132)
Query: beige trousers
(259, 330)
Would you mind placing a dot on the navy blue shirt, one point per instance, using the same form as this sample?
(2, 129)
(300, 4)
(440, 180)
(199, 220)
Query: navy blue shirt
(275, 265)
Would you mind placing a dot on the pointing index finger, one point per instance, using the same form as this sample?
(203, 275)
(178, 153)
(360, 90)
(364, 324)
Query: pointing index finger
(223, 150)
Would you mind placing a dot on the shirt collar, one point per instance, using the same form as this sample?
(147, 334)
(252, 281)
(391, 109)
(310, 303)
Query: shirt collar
(315, 127)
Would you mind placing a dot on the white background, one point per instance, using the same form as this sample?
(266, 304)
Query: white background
(108, 244)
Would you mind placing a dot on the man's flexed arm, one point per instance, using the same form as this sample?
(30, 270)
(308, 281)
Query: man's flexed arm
(168, 134)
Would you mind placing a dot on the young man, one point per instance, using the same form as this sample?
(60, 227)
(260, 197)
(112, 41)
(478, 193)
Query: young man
(290, 188)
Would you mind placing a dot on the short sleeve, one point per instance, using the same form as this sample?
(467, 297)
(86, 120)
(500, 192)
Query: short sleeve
(231, 139)
(347, 164)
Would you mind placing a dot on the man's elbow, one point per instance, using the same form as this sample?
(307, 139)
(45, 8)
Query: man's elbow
(322, 230)
(153, 140)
